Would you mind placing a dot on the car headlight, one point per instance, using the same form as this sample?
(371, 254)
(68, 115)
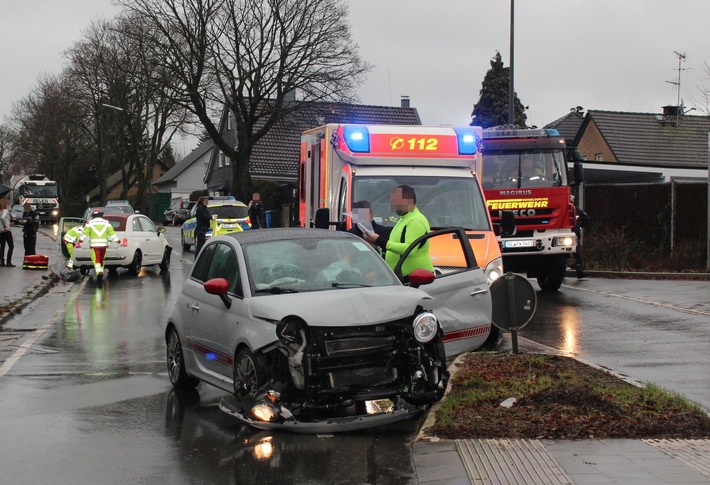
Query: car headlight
(425, 327)
(494, 270)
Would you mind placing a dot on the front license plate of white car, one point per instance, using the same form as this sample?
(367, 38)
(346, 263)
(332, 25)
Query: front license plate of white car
(528, 243)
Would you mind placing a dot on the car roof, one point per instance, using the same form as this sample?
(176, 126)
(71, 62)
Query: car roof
(284, 233)
(221, 203)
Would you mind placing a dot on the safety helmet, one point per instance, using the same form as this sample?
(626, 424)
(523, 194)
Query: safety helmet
(97, 213)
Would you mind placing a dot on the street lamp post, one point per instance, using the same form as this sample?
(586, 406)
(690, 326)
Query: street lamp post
(511, 84)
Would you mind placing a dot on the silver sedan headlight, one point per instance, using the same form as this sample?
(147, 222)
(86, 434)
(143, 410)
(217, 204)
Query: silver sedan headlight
(425, 327)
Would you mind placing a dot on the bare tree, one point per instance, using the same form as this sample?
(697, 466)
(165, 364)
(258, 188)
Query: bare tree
(134, 112)
(250, 56)
(47, 136)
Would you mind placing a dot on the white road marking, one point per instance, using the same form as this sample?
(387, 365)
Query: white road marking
(27, 344)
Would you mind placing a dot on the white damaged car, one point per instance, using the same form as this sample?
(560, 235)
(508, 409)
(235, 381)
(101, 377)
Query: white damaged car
(311, 331)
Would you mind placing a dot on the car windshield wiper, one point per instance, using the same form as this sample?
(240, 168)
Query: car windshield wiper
(350, 285)
(276, 290)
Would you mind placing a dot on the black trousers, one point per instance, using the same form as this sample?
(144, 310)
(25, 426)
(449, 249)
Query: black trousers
(6, 238)
(30, 241)
(199, 242)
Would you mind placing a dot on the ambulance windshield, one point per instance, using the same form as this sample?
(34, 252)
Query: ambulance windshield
(445, 201)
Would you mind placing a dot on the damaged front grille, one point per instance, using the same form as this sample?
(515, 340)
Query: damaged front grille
(351, 345)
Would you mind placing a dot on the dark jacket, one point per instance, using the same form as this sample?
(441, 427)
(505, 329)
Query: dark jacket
(31, 222)
(202, 218)
(256, 215)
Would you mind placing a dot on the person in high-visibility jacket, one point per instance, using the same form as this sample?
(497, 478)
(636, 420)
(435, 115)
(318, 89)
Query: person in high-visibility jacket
(70, 239)
(411, 225)
(100, 233)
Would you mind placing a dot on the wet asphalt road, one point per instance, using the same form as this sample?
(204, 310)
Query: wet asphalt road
(90, 401)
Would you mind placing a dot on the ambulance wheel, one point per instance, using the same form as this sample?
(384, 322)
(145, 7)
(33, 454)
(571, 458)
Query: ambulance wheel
(135, 267)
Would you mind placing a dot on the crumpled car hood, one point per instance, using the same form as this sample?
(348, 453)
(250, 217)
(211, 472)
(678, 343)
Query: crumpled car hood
(341, 307)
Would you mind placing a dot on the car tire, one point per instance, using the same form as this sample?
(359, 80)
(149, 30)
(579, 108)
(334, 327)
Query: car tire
(185, 247)
(165, 263)
(176, 363)
(135, 267)
(247, 375)
(112, 270)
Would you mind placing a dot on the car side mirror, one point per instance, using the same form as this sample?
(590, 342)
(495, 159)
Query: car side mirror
(322, 218)
(420, 277)
(161, 230)
(507, 223)
(219, 287)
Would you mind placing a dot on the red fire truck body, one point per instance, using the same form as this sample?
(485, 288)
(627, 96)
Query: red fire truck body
(525, 172)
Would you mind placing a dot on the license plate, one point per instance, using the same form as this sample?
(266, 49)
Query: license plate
(519, 244)
(229, 226)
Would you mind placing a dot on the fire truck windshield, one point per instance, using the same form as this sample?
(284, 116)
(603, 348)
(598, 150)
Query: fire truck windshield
(445, 201)
(540, 168)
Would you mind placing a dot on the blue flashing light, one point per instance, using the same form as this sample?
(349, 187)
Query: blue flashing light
(468, 141)
(552, 132)
(357, 138)
(211, 356)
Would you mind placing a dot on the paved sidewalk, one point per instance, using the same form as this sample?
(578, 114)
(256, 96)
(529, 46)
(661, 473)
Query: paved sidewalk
(19, 287)
(526, 462)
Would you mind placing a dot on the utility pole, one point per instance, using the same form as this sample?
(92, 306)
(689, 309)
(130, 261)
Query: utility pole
(511, 84)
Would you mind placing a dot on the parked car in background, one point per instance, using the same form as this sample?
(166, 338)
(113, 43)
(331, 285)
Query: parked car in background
(16, 212)
(178, 212)
(231, 216)
(140, 243)
(109, 209)
(328, 338)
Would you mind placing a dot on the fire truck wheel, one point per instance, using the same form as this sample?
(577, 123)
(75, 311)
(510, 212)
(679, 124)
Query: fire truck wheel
(550, 277)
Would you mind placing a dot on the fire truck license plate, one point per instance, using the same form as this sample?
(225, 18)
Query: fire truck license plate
(520, 244)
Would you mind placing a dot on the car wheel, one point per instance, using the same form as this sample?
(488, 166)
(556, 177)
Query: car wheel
(112, 270)
(246, 372)
(135, 267)
(186, 247)
(176, 364)
(165, 263)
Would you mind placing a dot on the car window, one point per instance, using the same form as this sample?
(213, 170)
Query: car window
(136, 225)
(224, 265)
(230, 211)
(202, 264)
(116, 225)
(147, 224)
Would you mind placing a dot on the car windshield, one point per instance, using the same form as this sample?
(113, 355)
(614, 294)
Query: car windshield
(445, 201)
(230, 211)
(535, 168)
(314, 265)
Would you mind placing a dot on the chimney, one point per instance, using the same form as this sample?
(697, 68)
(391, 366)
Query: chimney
(670, 111)
(405, 101)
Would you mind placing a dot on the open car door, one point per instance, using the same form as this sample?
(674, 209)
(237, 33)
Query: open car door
(66, 223)
(461, 298)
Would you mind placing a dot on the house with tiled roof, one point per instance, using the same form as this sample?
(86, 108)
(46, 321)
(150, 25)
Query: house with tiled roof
(188, 174)
(568, 125)
(275, 156)
(623, 147)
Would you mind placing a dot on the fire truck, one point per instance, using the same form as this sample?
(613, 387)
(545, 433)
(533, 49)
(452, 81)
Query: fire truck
(525, 175)
(40, 192)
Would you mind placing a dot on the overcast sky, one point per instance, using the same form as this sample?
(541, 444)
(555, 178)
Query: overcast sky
(615, 55)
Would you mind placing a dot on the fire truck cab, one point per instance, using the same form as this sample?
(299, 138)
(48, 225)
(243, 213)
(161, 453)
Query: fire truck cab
(524, 173)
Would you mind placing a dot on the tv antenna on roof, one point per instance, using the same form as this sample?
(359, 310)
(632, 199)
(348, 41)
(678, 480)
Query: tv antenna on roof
(681, 58)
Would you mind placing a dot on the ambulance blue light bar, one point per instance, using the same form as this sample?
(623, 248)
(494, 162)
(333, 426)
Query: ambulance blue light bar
(357, 138)
(468, 141)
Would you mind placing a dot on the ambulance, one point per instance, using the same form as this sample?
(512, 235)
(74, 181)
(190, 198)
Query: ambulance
(345, 163)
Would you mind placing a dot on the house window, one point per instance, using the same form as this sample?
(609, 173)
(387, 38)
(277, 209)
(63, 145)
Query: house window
(598, 157)
(221, 160)
(226, 161)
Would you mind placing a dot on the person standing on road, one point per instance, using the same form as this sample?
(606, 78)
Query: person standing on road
(30, 224)
(5, 236)
(256, 212)
(411, 225)
(582, 220)
(203, 218)
(100, 233)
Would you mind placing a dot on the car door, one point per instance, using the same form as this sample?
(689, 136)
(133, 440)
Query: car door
(215, 325)
(151, 241)
(461, 299)
(66, 223)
